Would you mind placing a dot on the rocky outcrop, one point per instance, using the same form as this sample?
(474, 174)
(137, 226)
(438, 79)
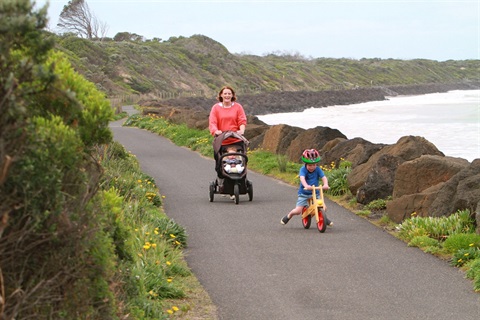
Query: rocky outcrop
(312, 138)
(278, 138)
(460, 192)
(425, 172)
(357, 151)
(418, 184)
(407, 148)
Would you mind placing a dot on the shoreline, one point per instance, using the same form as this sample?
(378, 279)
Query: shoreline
(297, 101)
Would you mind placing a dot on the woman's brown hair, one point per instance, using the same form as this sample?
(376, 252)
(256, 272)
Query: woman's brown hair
(219, 96)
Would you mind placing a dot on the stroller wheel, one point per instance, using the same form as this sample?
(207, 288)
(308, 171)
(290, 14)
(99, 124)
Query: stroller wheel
(236, 192)
(250, 190)
(212, 191)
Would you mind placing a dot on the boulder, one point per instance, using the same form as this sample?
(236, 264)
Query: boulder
(380, 180)
(314, 138)
(424, 172)
(277, 138)
(356, 150)
(460, 192)
(404, 207)
(407, 148)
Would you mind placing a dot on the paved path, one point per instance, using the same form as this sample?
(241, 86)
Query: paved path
(255, 268)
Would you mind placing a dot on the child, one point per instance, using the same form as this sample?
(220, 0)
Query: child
(233, 163)
(310, 174)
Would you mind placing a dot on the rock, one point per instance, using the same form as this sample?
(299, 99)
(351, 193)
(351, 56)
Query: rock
(424, 172)
(379, 182)
(402, 208)
(460, 192)
(418, 182)
(407, 148)
(314, 138)
(356, 150)
(277, 138)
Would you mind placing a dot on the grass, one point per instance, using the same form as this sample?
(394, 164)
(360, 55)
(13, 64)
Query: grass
(448, 238)
(156, 281)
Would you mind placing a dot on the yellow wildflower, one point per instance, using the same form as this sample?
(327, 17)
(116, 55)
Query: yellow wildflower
(175, 308)
(169, 311)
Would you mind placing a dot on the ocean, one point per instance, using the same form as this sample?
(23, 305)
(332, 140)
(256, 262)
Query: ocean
(450, 120)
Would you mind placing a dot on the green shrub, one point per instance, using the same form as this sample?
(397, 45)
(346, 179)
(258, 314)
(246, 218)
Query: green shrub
(462, 256)
(378, 204)
(423, 242)
(282, 163)
(337, 180)
(437, 228)
(473, 273)
(459, 241)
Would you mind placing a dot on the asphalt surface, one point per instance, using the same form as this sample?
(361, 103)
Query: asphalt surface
(255, 268)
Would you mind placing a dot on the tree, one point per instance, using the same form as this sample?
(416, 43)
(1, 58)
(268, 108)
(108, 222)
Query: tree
(127, 36)
(76, 17)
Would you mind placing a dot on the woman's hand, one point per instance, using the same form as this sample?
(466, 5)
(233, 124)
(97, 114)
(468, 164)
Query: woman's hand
(218, 132)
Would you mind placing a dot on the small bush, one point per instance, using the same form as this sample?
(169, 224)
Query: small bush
(437, 228)
(423, 242)
(379, 204)
(473, 273)
(337, 180)
(282, 163)
(462, 256)
(460, 241)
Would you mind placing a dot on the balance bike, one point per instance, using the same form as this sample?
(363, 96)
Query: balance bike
(315, 208)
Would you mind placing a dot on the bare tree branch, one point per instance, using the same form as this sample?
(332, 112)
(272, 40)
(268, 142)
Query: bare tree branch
(76, 17)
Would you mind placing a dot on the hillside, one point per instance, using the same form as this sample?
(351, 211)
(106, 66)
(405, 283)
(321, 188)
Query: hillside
(199, 66)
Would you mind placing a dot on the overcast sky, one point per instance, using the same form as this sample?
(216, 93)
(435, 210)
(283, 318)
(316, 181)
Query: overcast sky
(429, 29)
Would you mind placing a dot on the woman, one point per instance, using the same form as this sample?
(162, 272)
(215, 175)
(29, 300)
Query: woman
(227, 115)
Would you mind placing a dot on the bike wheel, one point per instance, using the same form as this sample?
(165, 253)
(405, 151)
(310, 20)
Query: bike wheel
(307, 220)
(236, 192)
(250, 190)
(322, 221)
(212, 190)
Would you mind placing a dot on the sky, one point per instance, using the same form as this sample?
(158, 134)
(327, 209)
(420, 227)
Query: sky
(429, 29)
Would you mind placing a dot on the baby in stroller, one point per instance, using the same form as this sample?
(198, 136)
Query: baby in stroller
(233, 163)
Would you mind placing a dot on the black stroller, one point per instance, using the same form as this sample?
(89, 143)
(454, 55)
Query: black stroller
(231, 166)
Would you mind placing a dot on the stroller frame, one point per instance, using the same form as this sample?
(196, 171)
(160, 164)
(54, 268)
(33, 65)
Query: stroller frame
(234, 184)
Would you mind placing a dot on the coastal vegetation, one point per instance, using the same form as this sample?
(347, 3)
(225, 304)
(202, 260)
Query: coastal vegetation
(193, 67)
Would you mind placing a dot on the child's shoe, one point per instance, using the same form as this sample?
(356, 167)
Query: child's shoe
(329, 223)
(284, 220)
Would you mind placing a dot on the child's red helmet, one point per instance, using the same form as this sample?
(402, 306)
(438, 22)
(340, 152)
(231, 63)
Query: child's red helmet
(311, 156)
